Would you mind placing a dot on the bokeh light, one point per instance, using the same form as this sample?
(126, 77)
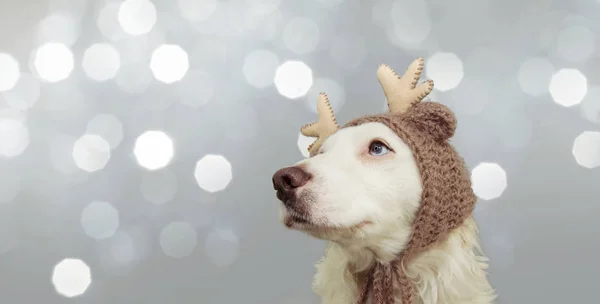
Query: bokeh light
(9, 72)
(122, 250)
(53, 62)
(100, 220)
(586, 149)
(259, 68)
(107, 21)
(71, 277)
(158, 187)
(213, 173)
(411, 23)
(91, 152)
(293, 79)
(348, 51)
(568, 87)
(59, 27)
(137, 17)
(169, 63)
(25, 94)
(61, 154)
(178, 239)
(301, 35)
(590, 106)
(197, 10)
(127, 249)
(489, 181)
(303, 143)
(108, 127)
(15, 137)
(101, 62)
(222, 247)
(447, 70)
(534, 76)
(575, 43)
(153, 150)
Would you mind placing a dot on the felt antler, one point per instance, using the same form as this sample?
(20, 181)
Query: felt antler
(403, 92)
(323, 128)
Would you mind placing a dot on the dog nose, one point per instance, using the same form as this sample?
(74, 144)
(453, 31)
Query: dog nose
(286, 180)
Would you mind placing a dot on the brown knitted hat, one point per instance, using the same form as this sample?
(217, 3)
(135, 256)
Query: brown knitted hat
(447, 198)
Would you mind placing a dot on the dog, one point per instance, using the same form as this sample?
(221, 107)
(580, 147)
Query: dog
(362, 190)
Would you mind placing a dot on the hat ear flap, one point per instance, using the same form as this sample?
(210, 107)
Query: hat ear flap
(434, 119)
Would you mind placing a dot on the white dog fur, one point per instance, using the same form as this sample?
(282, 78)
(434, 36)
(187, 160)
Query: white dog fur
(363, 204)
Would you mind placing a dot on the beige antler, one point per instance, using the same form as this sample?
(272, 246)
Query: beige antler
(403, 92)
(323, 128)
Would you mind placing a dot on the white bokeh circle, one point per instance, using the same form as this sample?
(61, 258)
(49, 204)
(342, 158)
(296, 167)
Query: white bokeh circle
(153, 150)
(568, 87)
(53, 62)
(586, 149)
(590, 106)
(9, 72)
(293, 79)
(213, 173)
(137, 17)
(445, 69)
(15, 137)
(169, 63)
(71, 277)
(91, 152)
(303, 143)
(489, 180)
(101, 62)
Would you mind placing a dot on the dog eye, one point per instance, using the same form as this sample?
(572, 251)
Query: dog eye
(377, 148)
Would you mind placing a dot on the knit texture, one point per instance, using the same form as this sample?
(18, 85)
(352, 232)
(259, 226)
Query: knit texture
(446, 201)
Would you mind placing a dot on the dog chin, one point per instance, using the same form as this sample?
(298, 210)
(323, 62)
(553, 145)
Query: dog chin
(319, 229)
(295, 220)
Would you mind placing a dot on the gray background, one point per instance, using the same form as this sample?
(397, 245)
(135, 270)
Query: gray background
(523, 81)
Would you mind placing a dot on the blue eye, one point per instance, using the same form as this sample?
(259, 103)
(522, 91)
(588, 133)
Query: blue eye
(377, 148)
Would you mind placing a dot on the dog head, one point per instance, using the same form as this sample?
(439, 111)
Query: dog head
(362, 181)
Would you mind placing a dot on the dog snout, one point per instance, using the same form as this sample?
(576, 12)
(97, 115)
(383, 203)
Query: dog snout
(287, 180)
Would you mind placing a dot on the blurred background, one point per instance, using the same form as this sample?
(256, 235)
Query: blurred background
(138, 139)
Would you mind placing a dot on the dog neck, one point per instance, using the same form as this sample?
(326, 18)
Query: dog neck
(450, 272)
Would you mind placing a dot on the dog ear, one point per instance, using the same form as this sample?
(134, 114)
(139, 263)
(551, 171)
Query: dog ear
(434, 119)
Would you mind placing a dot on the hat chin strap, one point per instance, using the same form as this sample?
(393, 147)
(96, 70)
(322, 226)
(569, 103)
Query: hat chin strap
(382, 281)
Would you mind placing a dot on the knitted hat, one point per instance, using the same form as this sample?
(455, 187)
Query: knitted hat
(447, 198)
